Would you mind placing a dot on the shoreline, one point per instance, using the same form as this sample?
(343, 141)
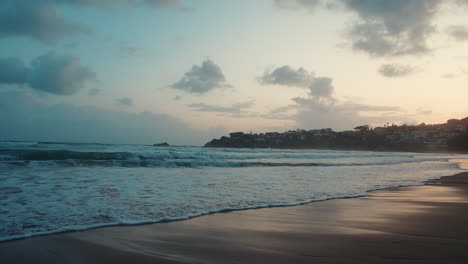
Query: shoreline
(73, 229)
(429, 218)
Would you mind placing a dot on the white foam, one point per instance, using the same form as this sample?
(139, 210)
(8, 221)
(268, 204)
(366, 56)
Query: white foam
(44, 197)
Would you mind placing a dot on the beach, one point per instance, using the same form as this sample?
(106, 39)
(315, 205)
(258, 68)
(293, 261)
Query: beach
(419, 224)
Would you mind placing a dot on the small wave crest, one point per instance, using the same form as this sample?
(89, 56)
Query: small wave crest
(171, 159)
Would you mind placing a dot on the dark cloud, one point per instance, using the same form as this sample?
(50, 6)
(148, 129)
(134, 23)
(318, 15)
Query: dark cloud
(25, 117)
(459, 33)
(201, 79)
(43, 20)
(59, 74)
(12, 71)
(236, 108)
(287, 76)
(52, 73)
(309, 5)
(395, 70)
(125, 101)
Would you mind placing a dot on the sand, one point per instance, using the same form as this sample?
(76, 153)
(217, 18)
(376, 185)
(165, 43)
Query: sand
(422, 224)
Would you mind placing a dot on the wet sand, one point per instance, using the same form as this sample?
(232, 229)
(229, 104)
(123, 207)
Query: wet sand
(423, 224)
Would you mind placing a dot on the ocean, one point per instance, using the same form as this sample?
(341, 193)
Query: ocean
(50, 187)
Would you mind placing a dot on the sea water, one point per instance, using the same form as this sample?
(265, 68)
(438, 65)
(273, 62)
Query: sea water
(54, 187)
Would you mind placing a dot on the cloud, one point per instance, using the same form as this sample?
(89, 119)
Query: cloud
(300, 77)
(162, 3)
(320, 108)
(459, 32)
(287, 76)
(43, 20)
(94, 91)
(281, 112)
(236, 108)
(52, 73)
(12, 71)
(392, 28)
(309, 5)
(340, 116)
(450, 75)
(125, 101)
(384, 28)
(395, 70)
(201, 79)
(25, 117)
(321, 87)
(118, 3)
(316, 112)
(59, 74)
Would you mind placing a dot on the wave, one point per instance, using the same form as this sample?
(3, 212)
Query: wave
(66, 154)
(170, 159)
(169, 153)
(75, 228)
(207, 181)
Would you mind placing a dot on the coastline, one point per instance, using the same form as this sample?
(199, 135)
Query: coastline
(419, 224)
(431, 151)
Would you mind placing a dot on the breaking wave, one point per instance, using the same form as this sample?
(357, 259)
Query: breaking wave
(49, 187)
(187, 159)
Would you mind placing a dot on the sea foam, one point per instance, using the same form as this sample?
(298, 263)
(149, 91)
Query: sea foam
(47, 188)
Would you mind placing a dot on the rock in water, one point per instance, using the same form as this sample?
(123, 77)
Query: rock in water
(165, 144)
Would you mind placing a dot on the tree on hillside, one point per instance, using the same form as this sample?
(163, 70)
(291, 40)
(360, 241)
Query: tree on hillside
(459, 143)
(362, 128)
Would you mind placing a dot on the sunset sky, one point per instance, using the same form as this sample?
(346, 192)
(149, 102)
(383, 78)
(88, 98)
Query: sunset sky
(147, 71)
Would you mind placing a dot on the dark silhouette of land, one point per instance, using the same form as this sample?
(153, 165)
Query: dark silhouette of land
(164, 144)
(450, 136)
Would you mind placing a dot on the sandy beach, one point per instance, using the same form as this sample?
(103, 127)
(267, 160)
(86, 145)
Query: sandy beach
(422, 224)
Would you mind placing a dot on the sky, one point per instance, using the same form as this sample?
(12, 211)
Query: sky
(184, 72)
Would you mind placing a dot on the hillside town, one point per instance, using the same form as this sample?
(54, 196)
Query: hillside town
(450, 136)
